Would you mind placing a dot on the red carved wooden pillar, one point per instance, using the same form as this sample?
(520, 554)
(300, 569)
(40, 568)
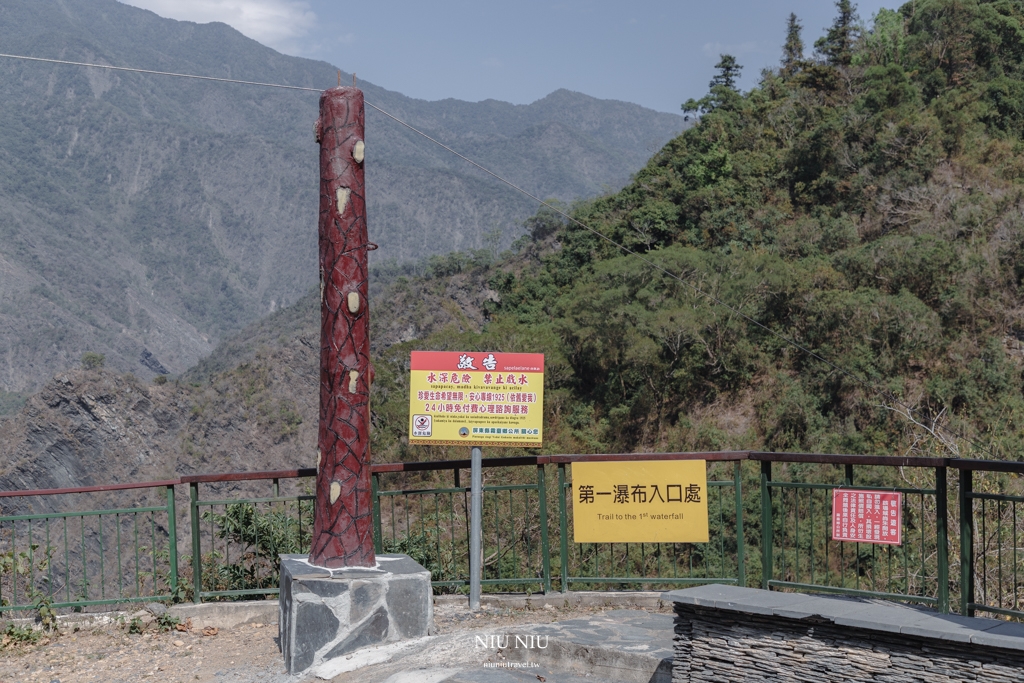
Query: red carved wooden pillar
(343, 511)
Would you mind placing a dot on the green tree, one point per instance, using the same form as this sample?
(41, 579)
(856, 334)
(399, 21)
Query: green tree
(722, 86)
(793, 48)
(836, 46)
(92, 360)
(728, 73)
(545, 222)
(884, 44)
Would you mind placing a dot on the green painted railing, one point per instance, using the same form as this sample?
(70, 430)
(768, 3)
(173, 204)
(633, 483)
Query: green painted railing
(798, 552)
(769, 523)
(96, 557)
(235, 541)
(990, 540)
(432, 525)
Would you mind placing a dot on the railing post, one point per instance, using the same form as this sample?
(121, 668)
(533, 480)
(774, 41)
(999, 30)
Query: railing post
(475, 528)
(172, 540)
(741, 567)
(542, 494)
(563, 533)
(378, 540)
(848, 475)
(966, 543)
(197, 558)
(942, 538)
(276, 488)
(766, 524)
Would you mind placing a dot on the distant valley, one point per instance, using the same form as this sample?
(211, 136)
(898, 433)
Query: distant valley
(146, 218)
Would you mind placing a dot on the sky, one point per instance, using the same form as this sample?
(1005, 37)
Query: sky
(657, 53)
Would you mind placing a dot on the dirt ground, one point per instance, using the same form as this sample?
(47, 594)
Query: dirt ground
(108, 653)
(247, 653)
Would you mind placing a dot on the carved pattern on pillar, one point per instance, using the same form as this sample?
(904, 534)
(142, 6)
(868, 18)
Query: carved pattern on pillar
(343, 513)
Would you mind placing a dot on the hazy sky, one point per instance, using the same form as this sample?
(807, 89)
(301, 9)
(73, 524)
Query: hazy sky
(656, 53)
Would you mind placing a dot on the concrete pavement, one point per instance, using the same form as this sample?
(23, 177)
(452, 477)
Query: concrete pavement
(624, 646)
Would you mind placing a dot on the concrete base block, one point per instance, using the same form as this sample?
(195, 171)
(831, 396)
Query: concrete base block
(227, 614)
(568, 600)
(325, 614)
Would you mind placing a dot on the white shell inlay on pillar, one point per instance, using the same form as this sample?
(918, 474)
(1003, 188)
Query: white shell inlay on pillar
(335, 491)
(343, 193)
(353, 302)
(352, 377)
(358, 152)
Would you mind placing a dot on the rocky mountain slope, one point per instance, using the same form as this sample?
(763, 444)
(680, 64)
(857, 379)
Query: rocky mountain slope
(147, 217)
(251, 405)
(95, 427)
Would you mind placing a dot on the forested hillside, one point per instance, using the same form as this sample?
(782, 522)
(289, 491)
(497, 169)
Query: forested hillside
(865, 201)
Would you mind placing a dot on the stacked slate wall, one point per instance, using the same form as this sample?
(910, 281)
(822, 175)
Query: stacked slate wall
(716, 645)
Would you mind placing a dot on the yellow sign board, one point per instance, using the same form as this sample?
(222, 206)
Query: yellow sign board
(653, 501)
(476, 399)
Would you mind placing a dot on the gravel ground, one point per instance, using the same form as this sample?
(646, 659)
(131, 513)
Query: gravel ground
(246, 653)
(109, 654)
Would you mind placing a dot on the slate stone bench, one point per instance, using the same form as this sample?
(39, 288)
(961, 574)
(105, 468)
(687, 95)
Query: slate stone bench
(728, 633)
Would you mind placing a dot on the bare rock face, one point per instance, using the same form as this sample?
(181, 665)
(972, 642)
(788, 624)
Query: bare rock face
(252, 405)
(83, 429)
(87, 428)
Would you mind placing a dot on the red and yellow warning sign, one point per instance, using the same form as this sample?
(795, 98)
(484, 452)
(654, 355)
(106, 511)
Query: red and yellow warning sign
(867, 516)
(476, 399)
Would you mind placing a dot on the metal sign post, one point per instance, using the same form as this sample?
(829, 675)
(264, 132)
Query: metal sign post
(473, 398)
(475, 530)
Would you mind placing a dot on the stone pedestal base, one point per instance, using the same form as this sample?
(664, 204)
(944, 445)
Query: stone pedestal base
(327, 614)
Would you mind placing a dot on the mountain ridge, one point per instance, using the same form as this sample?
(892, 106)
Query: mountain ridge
(148, 216)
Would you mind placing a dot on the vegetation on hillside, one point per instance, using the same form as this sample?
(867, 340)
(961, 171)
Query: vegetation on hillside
(866, 201)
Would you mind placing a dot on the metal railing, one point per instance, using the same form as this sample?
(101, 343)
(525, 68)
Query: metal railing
(914, 571)
(236, 542)
(432, 524)
(990, 538)
(94, 557)
(769, 523)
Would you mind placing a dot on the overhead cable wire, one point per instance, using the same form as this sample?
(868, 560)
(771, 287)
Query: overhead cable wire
(159, 73)
(640, 256)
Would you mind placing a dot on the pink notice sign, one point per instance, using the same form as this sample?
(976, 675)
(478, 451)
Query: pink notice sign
(867, 516)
